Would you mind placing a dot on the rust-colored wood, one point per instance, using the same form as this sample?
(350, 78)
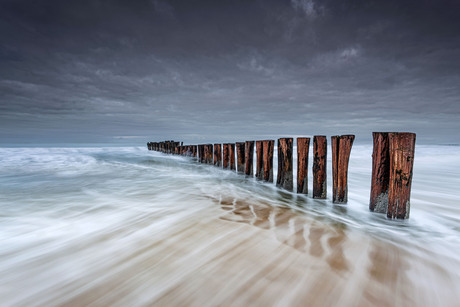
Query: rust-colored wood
(341, 148)
(402, 148)
(240, 156)
(285, 177)
(268, 148)
(249, 158)
(259, 160)
(380, 173)
(303, 146)
(319, 166)
(208, 153)
(231, 156)
(225, 156)
(218, 155)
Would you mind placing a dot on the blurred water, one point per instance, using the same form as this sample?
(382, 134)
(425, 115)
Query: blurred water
(118, 226)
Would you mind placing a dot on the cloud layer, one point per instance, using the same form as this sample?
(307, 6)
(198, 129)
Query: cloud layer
(95, 71)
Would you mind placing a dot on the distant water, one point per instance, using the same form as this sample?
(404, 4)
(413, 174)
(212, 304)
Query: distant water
(125, 226)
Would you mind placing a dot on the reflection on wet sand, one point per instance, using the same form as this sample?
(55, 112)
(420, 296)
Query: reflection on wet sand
(290, 228)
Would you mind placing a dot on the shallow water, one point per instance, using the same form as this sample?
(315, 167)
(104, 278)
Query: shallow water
(125, 226)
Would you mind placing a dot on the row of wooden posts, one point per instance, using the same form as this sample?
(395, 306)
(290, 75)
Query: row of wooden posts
(392, 163)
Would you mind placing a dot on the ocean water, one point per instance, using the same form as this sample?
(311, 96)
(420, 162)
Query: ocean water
(125, 226)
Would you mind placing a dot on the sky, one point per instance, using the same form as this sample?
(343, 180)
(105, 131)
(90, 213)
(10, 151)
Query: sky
(112, 71)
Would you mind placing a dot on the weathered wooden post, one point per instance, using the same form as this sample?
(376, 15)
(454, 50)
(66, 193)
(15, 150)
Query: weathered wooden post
(285, 177)
(249, 158)
(240, 156)
(201, 153)
(268, 148)
(231, 154)
(225, 156)
(303, 146)
(218, 155)
(319, 166)
(341, 148)
(380, 173)
(209, 154)
(194, 150)
(259, 160)
(402, 147)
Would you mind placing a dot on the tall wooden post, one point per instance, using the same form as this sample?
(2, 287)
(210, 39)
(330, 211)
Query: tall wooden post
(249, 158)
(231, 158)
(201, 153)
(341, 148)
(268, 148)
(402, 147)
(285, 177)
(224, 156)
(380, 173)
(240, 156)
(218, 155)
(303, 146)
(259, 160)
(319, 166)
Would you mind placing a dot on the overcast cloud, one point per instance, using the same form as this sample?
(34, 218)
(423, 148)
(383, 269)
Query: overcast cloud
(112, 70)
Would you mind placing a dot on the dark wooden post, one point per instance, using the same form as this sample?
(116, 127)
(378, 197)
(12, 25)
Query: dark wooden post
(201, 153)
(402, 147)
(194, 148)
(231, 154)
(285, 177)
(218, 155)
(380, 173)
(268, 148)
(303, 146)
(240, 157)
(259, 160)
(319, 166)
(225, 156)
(249, 158)
(341, 148)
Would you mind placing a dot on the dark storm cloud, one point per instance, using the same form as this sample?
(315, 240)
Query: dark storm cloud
(227, 70)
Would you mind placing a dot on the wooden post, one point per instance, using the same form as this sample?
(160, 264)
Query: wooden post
(259, 160)
(209, 154)
(285, 178)
(225, 156)
(303, 146)
(380, 173)
(319, 166)
(268, 148)
(240, 157)
(341, 148)
(201, 153)
(218, 155)
(249, 158)
(402, 147)
(231, 154)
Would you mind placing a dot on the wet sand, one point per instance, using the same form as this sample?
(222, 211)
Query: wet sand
(233, 252)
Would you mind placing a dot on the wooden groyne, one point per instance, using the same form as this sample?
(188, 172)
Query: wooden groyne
(392, 164)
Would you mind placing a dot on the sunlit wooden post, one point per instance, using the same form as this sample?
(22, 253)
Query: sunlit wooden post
(341, 148)
(259, 160)
(402, 148)
(240, 155)
(268, 147)
(285, 177)
(303, 146)
(319, 166)
(249, 158)
(218, 155)
(231, 156)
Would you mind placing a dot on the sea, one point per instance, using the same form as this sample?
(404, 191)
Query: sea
(124, 226)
